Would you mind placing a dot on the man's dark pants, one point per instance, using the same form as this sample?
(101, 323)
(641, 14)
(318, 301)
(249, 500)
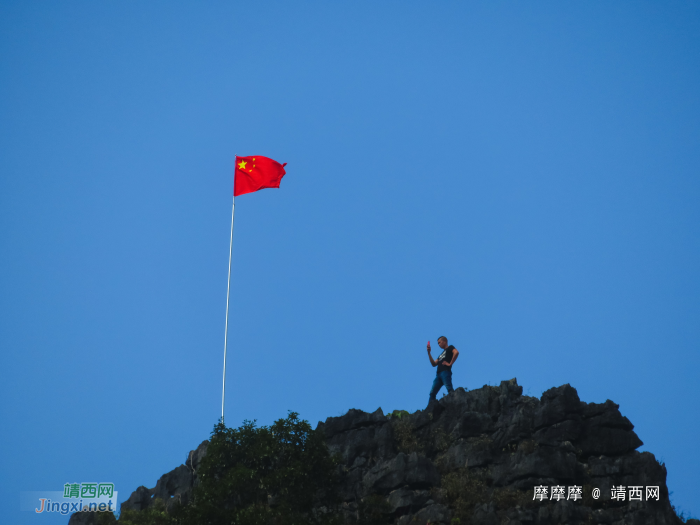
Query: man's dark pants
(442, 378)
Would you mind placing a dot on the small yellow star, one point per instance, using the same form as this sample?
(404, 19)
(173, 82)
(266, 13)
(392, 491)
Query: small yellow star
(241, 165)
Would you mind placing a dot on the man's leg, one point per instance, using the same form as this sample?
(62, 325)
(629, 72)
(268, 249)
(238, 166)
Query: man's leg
(447, 380)
(437, 384)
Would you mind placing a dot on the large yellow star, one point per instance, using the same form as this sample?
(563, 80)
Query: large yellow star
(241, 165)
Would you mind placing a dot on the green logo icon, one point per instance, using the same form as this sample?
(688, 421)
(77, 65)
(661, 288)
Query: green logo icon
(105, 489)
(88, 490)
(71, 490)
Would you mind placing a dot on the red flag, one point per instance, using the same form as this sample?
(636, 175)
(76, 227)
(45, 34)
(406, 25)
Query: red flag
(255, 173)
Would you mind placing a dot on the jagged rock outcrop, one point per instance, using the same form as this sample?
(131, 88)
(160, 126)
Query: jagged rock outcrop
(477, 457)
(174, 487)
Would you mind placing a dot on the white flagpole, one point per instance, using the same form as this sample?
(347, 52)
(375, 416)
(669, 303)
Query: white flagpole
(228, 290)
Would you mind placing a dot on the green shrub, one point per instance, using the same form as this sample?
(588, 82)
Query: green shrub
(263, 476)
(398, 414)
(154, 515)
(463, 491)
(405, 437)
(257, 476)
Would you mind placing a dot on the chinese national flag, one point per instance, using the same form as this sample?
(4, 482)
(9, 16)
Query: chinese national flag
(255, 173)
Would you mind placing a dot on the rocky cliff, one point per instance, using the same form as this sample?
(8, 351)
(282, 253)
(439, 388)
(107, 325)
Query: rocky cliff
(487, 456)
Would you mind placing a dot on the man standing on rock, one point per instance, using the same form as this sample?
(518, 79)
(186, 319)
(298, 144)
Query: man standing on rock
(444, 367)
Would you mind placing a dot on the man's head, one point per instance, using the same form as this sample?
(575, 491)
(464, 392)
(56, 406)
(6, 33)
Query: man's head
(442, 342)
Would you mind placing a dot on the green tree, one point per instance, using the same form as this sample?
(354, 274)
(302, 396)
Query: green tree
(154, 515)
(264, 476)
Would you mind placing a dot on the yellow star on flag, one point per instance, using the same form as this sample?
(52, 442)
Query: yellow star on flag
(241, 165)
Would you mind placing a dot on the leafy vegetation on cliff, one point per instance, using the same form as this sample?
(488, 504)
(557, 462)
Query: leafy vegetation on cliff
(257, 476)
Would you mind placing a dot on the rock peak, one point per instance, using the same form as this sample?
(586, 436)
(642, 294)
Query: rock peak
(476, 457)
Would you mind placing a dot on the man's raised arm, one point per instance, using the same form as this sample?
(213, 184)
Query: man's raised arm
(432, 361)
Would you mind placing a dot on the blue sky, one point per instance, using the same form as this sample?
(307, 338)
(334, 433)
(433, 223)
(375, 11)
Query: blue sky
(520, 177)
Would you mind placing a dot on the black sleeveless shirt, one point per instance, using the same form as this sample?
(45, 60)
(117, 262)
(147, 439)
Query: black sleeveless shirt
(445, 356)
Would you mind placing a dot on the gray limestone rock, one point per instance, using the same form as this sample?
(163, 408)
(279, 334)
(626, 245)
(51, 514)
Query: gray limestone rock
(492, 438)
(83, 518)
(485, 515)
(405, 500)
(433, 514)
(473, 452)
(605, 431)
(352, 419)
(173, 488)
(413, 470)
(543, 462)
